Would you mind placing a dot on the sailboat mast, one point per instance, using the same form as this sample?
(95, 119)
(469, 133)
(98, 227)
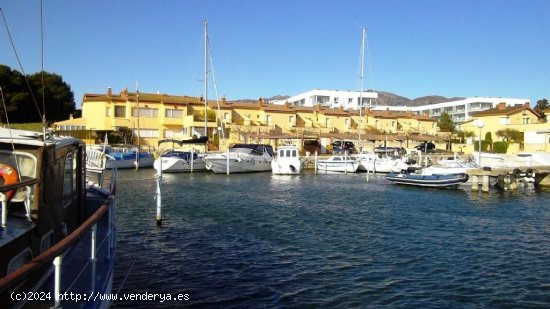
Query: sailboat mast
(138, 113)
(206, 77)
(361, 86)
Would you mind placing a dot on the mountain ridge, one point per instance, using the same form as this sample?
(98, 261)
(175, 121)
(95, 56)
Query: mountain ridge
(389, 99)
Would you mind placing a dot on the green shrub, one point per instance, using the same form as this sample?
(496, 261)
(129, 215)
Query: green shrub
(484, 145)
(500, 147)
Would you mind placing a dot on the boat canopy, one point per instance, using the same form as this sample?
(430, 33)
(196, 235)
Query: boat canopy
(200, 140)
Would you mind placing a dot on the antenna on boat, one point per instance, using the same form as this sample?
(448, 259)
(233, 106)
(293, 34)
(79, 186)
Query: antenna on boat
(206, 77)
(42, 69)
(361, 77)
(216, 94)
(138, 129)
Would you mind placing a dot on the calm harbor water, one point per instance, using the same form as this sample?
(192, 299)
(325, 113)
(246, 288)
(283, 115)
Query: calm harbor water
(330, 241)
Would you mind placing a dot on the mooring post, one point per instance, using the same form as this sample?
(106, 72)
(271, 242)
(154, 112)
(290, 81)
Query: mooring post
(192, 159)
(159, 194)
(485, 183)
(475, 183)
(227, 163)
(513, 183)
(315, 168)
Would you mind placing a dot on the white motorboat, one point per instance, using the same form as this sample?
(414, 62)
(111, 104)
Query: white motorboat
(175, 160)
(338, 163)
(287, 161)
(384, 160)
(241, 158)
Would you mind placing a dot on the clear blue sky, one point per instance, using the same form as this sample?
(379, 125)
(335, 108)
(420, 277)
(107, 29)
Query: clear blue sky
(498, 48)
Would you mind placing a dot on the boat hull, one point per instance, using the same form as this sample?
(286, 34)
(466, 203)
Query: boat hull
(243, 165)
(174, 165)
(143, 162)
(433, 181)
(342, 167)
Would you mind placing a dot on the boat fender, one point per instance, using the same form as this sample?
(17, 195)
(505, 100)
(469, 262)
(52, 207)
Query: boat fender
(8, 176)
(403, 171)
(529, 173)
(517, 172)
(292, 168)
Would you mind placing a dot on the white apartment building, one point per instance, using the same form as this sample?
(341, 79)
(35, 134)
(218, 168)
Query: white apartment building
(331, 99)
(458, 110)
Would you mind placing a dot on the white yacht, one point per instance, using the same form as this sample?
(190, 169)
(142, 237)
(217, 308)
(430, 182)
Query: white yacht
(241, 158)
(176, 160)
(338, 163)
(181, 160)
(287, 161)
(384, 160)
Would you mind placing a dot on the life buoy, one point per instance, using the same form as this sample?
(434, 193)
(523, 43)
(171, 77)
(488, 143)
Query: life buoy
(8, 176)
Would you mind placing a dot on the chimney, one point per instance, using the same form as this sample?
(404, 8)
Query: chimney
(125, 93)
(109, 91)
(287, 105)
(501, 106)
(223, 100)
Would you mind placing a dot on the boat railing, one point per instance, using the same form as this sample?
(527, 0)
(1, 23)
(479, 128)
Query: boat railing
(25, 184)
(96, 168)
(86, 232)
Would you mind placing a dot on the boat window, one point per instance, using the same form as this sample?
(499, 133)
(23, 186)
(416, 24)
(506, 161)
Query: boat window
(281, 153)
(293, 153)
(68, 180)
(288, 153)
(46, 242)
(337, 159)
(24, 162)
(75, 168)
(19, 260)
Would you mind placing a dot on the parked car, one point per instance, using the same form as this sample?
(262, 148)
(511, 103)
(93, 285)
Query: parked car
(341, 146)
(426, 147)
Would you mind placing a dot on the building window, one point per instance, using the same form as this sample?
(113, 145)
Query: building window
(226, 116)
(145, 112)
(173, 134)
(108, 112)
(120, 111)
(291, 119)
(173, 113)
(504, 120)
(147, 132)
(525, 120)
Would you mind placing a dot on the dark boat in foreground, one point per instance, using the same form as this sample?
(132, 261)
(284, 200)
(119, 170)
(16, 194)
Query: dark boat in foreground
(57, 234)
(428, 180)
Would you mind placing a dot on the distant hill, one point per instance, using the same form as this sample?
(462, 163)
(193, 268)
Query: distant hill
(386, 98)
(391, 99)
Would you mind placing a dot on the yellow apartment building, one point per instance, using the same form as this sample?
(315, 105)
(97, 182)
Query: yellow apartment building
(535, 129)
(155, 117)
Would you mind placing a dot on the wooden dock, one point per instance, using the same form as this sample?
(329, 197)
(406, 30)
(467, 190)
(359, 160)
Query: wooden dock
(508, 178)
